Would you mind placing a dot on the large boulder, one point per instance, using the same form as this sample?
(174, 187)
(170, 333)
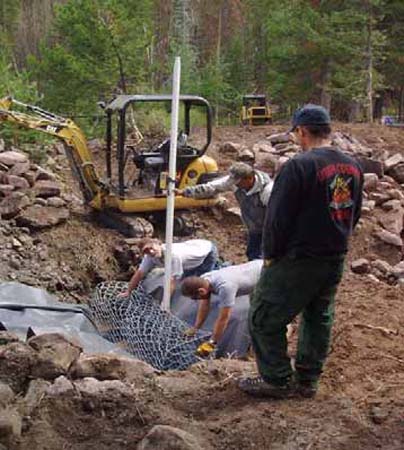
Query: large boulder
(393, 161)
(389, 238)
(164, 437)
(37, 217)
(46, 188)
(371, 165)
(111, 367)
(18, 182)
(16, 363)
(11, 158)
(20, 168)
(13, 204)
(56, 354)
(392, 220)
(397, 173)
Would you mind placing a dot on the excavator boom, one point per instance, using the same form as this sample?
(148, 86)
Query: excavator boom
(69, 133)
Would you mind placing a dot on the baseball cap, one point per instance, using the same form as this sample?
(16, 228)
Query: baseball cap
(310, 114)
(240, 170)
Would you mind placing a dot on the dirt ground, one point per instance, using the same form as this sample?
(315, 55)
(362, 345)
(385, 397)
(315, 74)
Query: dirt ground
(361, 400)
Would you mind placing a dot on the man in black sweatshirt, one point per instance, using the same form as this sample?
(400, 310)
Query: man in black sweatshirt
(315, 204)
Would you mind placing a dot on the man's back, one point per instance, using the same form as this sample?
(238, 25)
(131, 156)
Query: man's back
(314, 206)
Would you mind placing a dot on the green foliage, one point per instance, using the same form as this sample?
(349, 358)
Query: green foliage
(98, 48)
(17, 85)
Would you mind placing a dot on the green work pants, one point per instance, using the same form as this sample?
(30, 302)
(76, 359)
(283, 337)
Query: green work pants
(288, 287)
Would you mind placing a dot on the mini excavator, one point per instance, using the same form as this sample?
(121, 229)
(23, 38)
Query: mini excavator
(117, 201)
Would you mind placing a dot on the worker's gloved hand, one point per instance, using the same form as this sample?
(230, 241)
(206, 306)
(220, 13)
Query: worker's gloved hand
(206, 349)
(187, 192)
(190, 332)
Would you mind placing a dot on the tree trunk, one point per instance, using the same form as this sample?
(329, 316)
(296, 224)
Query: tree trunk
(369, 69)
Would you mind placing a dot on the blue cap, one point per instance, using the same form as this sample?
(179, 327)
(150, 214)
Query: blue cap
(310, 115)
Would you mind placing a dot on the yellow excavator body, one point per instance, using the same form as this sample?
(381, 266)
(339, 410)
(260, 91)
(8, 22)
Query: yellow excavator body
(97, 193)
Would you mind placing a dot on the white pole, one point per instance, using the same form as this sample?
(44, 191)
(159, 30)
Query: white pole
(171, 183)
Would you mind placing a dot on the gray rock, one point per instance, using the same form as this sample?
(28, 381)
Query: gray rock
(60, 387)
(57, 202)
(360, 266)
(379, 197)
(391, 205)
(43, 174)
(389, 238)
(37, 217)
(41, 201)
(370, 182)
(111, 367)
(6, 337)
(30, 176)
(20, 168)
(392, 221)
(18, 182)
(46, 188)
(35, 393)
(378, 414)
(6, 189)
(279, 138)
(11, 158)
(95, 388)
(397, 172)
(371, 165)
(263, 147)
(56, 354)
(6, 394)
(230, 147)
(164, 437)
(398, 270)
(382, 266)
(13, 204)
(393, 161)
(16, 362)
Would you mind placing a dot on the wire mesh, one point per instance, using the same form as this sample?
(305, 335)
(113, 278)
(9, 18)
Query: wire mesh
(141, 327)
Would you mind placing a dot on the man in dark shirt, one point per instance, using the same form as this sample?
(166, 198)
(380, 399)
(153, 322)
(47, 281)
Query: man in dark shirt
(315, 204)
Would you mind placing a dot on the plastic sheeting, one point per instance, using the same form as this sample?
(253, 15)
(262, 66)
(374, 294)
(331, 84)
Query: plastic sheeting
(23, 307)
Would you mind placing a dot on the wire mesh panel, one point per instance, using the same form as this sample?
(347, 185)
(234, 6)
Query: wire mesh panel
(142, 328)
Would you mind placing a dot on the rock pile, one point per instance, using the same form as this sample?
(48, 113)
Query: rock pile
(29, 194)
(50, 373)
(383, 205)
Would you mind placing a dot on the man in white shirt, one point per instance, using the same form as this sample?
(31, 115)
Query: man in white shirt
(192, 257)
(221, 286)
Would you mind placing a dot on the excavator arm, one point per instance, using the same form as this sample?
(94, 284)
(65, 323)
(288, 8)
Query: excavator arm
(78, 154)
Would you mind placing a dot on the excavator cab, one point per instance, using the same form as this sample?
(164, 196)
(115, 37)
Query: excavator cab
(255, 110)
(127, 145)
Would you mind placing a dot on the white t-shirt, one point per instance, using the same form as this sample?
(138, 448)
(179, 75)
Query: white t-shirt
(186, 255)
(230, 282)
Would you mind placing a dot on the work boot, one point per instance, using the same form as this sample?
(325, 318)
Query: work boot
(306, 388)
(258, 387)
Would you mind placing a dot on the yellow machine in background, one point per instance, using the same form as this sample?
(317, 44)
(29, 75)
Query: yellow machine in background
(114, 194)
(255, 110)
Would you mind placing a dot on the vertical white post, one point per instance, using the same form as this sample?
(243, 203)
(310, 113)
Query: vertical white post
(172, 170)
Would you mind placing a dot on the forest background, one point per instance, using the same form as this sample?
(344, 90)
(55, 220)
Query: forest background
(67, 55)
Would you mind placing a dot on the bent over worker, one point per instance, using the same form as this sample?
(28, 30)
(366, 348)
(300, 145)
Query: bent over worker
(252, 189)
(192, 257)
(315, 205)
(222, 286)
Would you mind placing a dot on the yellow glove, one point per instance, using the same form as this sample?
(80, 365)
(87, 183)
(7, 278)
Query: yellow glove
(190, 332)
(205, 349)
